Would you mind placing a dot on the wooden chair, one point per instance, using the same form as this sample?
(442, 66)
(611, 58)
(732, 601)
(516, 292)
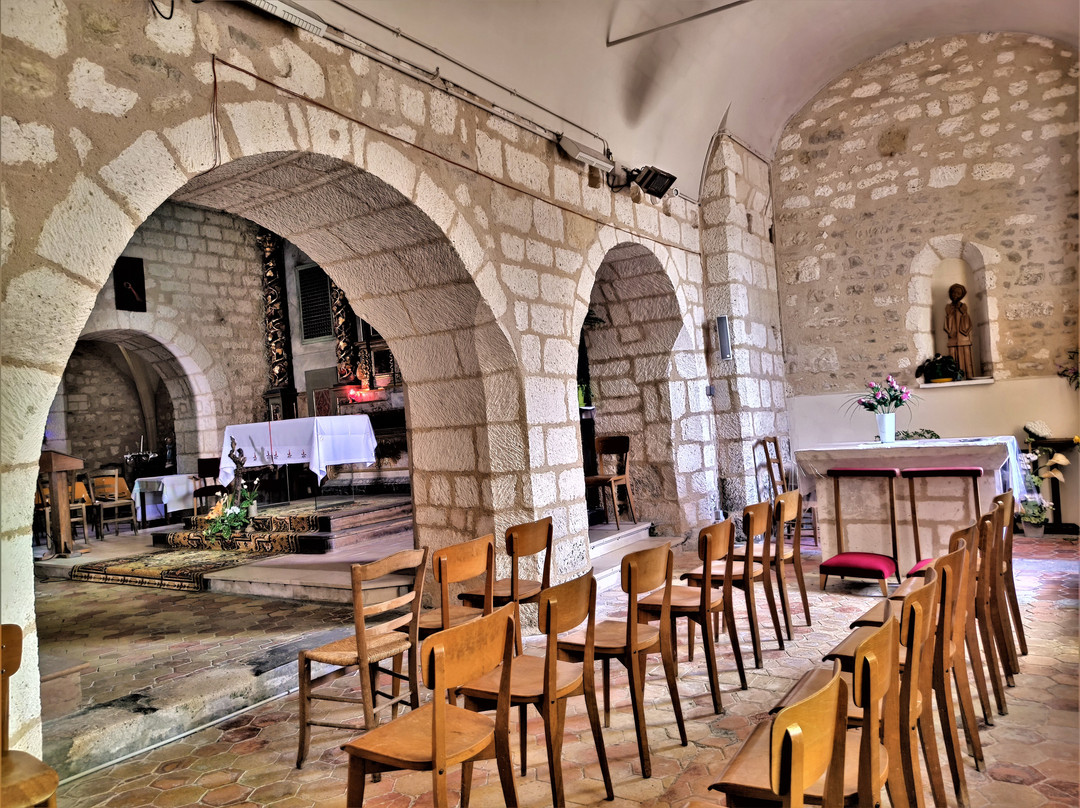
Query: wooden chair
(207, 493)
(757, 522)
(781, 483)
(111, 494)
(630, 641)
(78, 501)
(617, 447)
(24, 780)
(440, 734)
(876, 566)
(1008, 579)
(453, 565)
(522, 541)
(547, 682)
(804, 743)
(701, 604)
(368, 646)
(987, 609)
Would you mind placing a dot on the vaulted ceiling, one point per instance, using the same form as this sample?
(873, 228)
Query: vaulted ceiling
(655, 78)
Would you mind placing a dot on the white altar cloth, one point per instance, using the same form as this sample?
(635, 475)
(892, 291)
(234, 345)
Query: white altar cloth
(165, 494)
(331, 440)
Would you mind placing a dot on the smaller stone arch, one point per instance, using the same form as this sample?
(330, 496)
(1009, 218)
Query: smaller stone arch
(983, 262)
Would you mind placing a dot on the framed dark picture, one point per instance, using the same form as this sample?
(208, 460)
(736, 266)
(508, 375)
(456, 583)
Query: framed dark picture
(129, 285)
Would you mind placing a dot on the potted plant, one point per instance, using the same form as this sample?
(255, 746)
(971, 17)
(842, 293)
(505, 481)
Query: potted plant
(1039, 464)
(883, 399)
(939, 369)
(1034, 514)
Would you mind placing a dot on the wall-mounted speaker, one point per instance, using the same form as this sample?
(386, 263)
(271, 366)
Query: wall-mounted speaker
(723, 332)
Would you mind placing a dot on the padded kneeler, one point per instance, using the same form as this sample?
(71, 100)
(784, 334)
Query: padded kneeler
(875, 566)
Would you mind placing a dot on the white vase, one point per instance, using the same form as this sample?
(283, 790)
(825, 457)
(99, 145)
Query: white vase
(1034, 531)
(886, 426)
(253, 510)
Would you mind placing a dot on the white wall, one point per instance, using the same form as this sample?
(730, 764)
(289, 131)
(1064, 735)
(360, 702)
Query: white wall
(954, 411)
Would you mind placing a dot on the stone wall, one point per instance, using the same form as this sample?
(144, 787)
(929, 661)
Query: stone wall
(740, 272)
(104, 419)
(959, 147)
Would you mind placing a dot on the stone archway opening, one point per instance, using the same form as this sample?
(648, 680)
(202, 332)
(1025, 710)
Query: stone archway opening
(629, 337)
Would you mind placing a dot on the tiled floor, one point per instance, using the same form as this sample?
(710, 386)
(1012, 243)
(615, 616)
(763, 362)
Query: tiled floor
(1032, 754)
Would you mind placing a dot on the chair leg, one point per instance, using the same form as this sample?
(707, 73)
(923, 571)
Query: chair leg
(751, 613)
(1014, 607)
(606, 666)
(947, 717)
(630, 502)
(800, 579)
(733, 637)
(554, 721)
(770, 600)
(466, 782)
(356, 782)
(884, 584)
(709, 648)
(598, 737)
(690, 632)
(438, 785)
(505, 764)
(781, 584)
(993, 662)
(967, 708)
(304, 676)
(928, 736)
(977, 670)
(523, 734)
(671, 673)
(1003, 632)
(637, 700)
(615, 504)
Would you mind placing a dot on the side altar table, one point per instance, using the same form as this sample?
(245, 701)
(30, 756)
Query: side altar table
(944, 503)
(319, 442)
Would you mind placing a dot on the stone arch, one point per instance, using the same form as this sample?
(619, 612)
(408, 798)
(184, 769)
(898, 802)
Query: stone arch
(643, 369)
(984, 264)
(191, 389)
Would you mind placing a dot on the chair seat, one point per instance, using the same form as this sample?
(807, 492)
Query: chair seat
(528, 589)
(594, 480)
(859, 565)
(683, 599)
(526, 680)
(610, 638)
(405, 742)
(343, 652)
(25, 780)
(920, 567)
(719, 569)
(740, 553)
(944, 471)
(431, 619)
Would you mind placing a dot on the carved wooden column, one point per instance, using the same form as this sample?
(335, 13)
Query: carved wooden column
(280, 395)
(341, 314)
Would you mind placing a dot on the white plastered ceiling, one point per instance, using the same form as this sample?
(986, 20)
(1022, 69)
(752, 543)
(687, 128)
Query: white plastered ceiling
(659, 97)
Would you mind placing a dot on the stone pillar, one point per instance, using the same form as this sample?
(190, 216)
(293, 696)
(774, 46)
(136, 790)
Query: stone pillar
(281, 391)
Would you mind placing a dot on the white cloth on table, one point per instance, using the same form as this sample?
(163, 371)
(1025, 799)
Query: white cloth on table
(319, 442)
(168, 493)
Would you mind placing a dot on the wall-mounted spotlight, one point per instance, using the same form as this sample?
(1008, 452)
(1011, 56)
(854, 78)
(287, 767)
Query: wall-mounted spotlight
(652, 180)
(583, 154)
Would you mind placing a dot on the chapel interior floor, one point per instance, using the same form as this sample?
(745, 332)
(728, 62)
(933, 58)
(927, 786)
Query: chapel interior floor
(136, 638)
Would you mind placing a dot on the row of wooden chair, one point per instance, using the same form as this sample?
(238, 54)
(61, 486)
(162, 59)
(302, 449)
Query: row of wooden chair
(100, 498)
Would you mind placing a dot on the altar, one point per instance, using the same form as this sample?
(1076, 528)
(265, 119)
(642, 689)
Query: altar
(944, 504)
(317, 443)
(157, 497)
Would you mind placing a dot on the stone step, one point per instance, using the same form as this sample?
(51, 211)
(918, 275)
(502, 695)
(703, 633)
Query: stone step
(325, 542)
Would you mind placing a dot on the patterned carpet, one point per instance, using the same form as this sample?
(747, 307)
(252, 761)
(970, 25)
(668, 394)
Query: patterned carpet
(170, 569)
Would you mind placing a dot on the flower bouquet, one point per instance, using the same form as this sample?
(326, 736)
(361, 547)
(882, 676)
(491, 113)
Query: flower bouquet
(231, 514)
(883, 399)
(1038, 465)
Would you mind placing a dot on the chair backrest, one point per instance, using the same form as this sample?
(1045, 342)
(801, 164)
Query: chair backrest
(788, 510)
(109, 485)
(807, 740)
(642, 572)
(11, 636)
(757, 523)
(564, 607)
(774, 463)
(407, 606)
(529, 539)
(875, 688)
(462, 562)
(617, 446)
(208, 468)
(951, 614)
(917, 623)
(990, 539)
(1008, 517)
(714, 544)
(78, 493)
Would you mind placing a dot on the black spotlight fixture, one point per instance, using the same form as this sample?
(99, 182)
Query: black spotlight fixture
(651, 180)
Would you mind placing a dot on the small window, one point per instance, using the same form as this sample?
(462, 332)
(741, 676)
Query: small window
(315, 318)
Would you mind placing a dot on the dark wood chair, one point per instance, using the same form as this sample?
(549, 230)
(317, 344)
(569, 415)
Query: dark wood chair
(456, 564)
(440, 734)
(782, 483)
(700, 605)
(24, 780)
(547, 682)
(804, 743)
(612, 473)
(522, 541)
(207, 493)
(370, 644)
(629, 641)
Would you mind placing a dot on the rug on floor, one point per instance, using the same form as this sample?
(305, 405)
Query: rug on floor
(170, 569)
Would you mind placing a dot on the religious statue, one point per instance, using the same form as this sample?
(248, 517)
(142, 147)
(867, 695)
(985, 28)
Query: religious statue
(958, 329)
(236, 455)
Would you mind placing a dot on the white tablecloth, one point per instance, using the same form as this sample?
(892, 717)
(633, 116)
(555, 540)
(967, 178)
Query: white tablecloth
(168, 493)
(331, 440)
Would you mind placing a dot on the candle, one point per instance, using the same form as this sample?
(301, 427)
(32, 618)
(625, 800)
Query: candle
(141, 443)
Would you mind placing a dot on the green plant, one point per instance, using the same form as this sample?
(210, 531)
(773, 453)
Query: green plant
(233, 516)
(939, 367)
(1035, 510)
(1070, 371)
(916, 434)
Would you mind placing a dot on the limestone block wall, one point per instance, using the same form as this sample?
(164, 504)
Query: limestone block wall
(957, 147)
(202, 330)
(740, 271)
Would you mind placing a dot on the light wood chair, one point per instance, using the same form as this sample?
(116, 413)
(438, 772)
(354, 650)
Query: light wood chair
(1008, 580)
(440, 734)
(522, 541)
(617, 448)
(78, 501)
(701, 604)
(111, 494)
(372, 642)
(629, 641)
(804, 743)
(547, 682)
(757, 522)
(782, 482)
(454, 565)
(24, 780)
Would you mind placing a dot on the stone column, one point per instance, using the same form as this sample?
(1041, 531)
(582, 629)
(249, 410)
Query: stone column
(344, 335)
(280, 386)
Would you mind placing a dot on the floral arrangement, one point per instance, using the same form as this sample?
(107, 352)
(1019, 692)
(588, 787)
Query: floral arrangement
(230, 515)
(1038, 464)
(1035, 510)
(1037, 430)
(884, 397)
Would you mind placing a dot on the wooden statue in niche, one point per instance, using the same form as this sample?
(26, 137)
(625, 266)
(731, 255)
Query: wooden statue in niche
(958, 329)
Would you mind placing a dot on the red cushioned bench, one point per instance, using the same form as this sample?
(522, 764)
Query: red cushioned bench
(875, 566)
